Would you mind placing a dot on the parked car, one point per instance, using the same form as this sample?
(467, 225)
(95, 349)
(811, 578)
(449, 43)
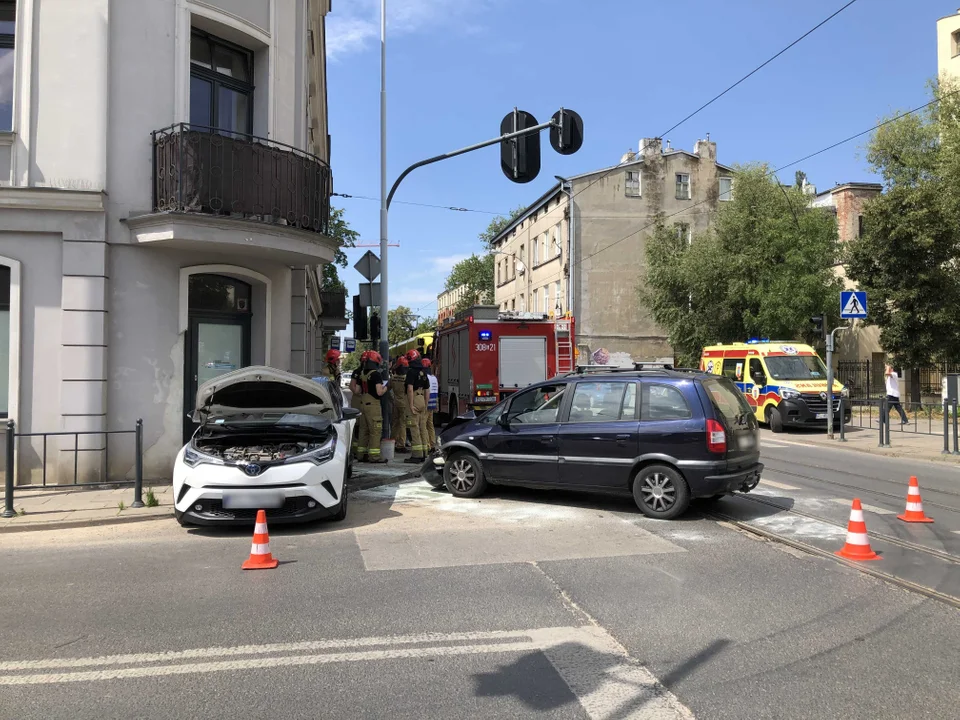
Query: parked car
(267, 440)
(663, 436)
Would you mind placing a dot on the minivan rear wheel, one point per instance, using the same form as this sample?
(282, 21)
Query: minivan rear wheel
(661, 492)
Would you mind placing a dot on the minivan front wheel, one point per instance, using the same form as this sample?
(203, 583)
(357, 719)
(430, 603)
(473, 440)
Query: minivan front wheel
(463, 476)
(661, 492)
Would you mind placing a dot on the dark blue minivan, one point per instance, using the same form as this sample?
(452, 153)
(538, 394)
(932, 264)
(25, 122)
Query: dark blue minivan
(664, 436)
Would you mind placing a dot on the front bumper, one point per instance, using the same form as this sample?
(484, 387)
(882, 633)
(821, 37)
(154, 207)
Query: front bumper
(294, 510)
(432, 469)
(797, 413)
(716, 479)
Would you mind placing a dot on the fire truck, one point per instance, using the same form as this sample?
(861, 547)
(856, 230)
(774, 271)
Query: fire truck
(483, 355)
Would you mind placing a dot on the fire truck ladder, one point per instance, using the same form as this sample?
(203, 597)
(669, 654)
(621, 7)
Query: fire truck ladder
(565, 360)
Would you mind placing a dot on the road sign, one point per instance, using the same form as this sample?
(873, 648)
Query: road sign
(335, 342)
(349, 345)
(853, 304)
(370, 294)
(368, 266)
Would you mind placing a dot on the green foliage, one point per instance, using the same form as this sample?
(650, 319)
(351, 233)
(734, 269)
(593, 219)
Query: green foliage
(426, 325)
(475, 274)
(400, 324)
(764, 269)
(909, 254)
(150, 498)
(497, 225)
(339, 230)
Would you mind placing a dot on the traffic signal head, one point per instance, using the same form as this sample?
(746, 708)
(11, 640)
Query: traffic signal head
(566, 134)
(359, 319)
(520, 157)
(818, 328)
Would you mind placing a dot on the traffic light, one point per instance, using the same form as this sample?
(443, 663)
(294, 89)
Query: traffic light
(359, 319)
(375, 328)
(520, 156)
(818, 327)
(566, 134)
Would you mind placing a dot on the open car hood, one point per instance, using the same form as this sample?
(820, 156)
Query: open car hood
(258, 389)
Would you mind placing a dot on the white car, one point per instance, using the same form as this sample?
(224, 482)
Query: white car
(267, 440)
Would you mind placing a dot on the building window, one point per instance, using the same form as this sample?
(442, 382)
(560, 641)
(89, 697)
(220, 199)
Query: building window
(632, 183)
(4, 341)
(546, 299)
(8, 19)
(523, 254)
(684, 233)
(534, 299)
(726, 189)
(558, 304)
(523, 306)
(513, 304)
(221, 85)
(536, 251)
(556, 241)
(683, 186)
(498, 272)
(955, 43)
(859, 225)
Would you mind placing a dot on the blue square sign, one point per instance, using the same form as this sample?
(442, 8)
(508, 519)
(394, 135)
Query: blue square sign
(853, 304)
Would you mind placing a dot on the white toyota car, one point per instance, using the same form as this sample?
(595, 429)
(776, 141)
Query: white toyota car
(267, 440)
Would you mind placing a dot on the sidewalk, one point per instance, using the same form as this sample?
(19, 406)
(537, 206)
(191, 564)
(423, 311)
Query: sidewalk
(63, 506)
(903, 444)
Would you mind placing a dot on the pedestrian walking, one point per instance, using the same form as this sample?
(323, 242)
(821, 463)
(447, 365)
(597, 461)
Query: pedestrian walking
(398, 391)
(893, 393)
(417, 387)
(433, 404)
(371, 389)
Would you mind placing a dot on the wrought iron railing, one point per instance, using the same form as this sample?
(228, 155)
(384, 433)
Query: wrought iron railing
(204, 170)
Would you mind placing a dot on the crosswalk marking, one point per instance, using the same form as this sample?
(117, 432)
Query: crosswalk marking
(871, 508)
(778, 485)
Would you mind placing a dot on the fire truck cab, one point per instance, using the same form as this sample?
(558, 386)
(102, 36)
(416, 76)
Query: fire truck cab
(483, 355)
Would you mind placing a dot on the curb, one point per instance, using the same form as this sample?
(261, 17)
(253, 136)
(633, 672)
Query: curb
(876, 452)
(93, 522)
(353, 486)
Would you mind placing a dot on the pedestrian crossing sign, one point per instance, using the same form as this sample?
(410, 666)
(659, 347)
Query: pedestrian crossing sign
(853, 304)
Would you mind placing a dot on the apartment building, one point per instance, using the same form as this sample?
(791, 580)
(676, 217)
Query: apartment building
(164, 209)
(580, 248)
(948, 46)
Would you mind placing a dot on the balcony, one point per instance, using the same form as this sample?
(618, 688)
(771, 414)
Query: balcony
(203, 170)
(238, 195)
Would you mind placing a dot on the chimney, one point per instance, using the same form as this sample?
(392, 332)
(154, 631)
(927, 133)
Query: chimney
(705, 149)
(628, 157)
(650, 147)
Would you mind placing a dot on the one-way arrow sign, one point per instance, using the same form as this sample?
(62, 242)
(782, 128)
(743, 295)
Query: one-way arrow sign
(368, 266)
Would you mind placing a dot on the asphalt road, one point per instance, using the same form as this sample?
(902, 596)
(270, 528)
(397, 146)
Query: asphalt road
(521, 604)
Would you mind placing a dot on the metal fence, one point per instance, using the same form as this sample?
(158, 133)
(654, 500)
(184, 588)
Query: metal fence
(922, 418)
(11, 458)
(865, 379)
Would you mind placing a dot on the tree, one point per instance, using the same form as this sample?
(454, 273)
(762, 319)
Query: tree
(426, 325)
(497, 226)
(908, 256)
(346, 237)
(475, 274)
(400, 324)
(764, 269)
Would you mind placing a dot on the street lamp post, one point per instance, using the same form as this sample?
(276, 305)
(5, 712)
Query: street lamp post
(384, 283)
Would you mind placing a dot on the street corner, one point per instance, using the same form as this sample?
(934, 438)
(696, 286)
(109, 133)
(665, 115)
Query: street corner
(412, 525)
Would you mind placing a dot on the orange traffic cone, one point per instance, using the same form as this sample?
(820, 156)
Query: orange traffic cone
(914, 511)
(857, 546)
(260, 557)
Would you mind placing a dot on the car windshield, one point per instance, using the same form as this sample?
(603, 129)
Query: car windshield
(796, 367)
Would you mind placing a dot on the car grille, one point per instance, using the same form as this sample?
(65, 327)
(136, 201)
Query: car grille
(818, 404)
(292, 506)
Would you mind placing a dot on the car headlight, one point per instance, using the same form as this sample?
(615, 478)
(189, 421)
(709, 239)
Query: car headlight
(789, 393)
(318, 456)
(193, 457)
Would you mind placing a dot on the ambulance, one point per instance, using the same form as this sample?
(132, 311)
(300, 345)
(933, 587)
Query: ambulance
(784, 382)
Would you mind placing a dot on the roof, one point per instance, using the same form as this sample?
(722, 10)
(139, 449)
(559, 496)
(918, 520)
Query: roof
(852, 186)
(548, 195)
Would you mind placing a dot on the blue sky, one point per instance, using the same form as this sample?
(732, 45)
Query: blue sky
(631, 69)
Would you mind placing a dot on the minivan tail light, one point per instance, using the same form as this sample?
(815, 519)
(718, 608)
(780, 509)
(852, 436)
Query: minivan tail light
(716, 437)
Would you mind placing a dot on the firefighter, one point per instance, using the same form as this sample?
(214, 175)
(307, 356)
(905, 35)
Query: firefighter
(433, 405)
(397, 391)
(417, 387)
(331, 370)
(371, 389)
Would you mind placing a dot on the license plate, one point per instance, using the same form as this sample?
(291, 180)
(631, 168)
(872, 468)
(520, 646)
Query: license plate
(481, 400)
(746, 442)
(252, 500)
(821, 416)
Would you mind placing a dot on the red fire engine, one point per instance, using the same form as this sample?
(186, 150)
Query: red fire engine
(482, 355)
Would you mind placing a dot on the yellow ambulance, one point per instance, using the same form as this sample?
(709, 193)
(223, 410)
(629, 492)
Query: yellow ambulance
(784, 382)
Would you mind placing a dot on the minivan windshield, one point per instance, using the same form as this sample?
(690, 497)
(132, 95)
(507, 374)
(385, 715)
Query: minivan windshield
(796, 367)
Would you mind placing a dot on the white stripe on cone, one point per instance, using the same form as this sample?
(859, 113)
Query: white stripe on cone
(856, 515)
(261, 529)
(914, 507)
(857, 538)
(260, 549)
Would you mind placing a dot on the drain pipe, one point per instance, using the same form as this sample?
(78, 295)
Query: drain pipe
(567, 187)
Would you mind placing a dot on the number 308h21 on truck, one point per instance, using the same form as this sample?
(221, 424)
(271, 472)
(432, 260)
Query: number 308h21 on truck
(482, 355)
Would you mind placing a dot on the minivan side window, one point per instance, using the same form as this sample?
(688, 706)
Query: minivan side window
(597, 402)
(537, 406)
(733, 369)
(664, 402)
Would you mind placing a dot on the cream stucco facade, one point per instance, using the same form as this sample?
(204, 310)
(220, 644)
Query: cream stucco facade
(948, 46)
(164, 194)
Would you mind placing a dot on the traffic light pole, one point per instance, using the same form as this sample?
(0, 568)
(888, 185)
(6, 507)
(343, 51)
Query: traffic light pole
(385, 207)
(830, 347)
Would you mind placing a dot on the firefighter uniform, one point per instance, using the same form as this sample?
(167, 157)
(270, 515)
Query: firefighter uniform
(401, 409)
(358, 452)
(371, 418)
(417, 419)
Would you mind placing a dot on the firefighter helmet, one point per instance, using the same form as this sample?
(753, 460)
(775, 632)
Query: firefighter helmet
(413, 355)
(374, 357)
(426, 362)
(333, 356)
(402, 362)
